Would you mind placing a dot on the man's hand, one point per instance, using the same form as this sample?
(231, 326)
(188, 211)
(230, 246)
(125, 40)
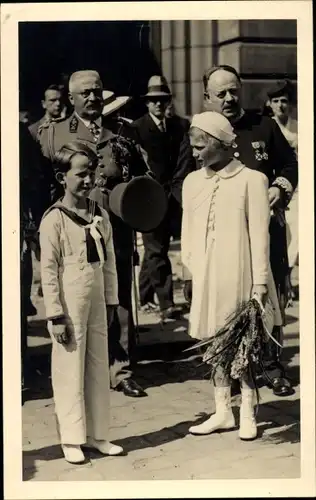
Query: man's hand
(187, 291)
(261, 291)
(274, 195)
(110, 310)
(59, 331)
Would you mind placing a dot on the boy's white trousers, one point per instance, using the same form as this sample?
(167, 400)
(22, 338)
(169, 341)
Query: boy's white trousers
(80, 369)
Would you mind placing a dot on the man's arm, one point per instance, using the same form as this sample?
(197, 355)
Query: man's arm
(185, 165)
(285, 161)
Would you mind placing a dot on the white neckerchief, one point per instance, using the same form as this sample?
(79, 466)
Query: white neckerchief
(96, 235)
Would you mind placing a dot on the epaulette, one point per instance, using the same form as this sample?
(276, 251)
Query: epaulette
(73, 125)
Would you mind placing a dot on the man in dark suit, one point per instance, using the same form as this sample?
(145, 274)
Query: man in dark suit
(88, 125)
(260, 145)
(54, 109)
(170, 160)
(34, 200)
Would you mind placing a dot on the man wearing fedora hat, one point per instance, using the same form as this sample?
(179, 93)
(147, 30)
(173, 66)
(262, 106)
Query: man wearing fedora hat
(170, 159)
(92, 123)
(261, 146)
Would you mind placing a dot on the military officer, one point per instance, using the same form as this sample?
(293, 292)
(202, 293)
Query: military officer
(260, 145)
(88, 125)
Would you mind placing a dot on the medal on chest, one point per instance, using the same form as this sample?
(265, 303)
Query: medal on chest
(259, 148)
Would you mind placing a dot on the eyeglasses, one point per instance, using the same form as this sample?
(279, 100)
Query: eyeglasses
(86, 93)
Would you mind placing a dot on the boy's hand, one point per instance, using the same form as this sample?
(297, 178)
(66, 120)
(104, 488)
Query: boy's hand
(262, 293)
(59, 331)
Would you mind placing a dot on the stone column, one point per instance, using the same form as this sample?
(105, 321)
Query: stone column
(186, 51)
(202, 57)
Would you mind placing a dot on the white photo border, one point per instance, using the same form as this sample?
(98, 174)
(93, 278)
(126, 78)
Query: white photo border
(11, 15)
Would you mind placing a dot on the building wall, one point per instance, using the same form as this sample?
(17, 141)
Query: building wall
(262, 51)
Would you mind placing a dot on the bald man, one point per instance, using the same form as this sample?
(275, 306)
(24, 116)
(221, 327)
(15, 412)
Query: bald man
(88, 125)
(260, 145)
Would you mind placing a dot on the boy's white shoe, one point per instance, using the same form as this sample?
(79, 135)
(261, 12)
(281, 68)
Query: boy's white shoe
(73, 453)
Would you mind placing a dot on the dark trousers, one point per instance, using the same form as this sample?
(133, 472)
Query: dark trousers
(156, 274)
(26, 286)
(121, 335)
(279, 267)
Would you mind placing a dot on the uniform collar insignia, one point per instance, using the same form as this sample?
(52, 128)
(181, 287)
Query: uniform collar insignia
(73, 124)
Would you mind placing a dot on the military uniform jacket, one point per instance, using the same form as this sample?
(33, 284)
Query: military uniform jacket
(35, 127)
(261, 146)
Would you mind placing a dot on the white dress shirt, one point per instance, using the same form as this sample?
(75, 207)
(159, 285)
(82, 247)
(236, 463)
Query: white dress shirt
(158, 122)
(87, 123)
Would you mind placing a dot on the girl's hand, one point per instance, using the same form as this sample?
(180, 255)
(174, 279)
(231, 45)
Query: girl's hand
(59, 331)
(261, 291)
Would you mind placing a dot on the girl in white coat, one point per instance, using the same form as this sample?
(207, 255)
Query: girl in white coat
(225, 247)
(80, 293)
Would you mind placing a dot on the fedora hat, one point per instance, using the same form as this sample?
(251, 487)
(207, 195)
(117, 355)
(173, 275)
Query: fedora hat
(157, 87)
(112, 103)
(141, 203)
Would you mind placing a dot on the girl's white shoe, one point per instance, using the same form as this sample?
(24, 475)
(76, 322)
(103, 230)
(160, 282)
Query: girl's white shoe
(104, 447)
(73, 453)
(223, 419)
(248, 425)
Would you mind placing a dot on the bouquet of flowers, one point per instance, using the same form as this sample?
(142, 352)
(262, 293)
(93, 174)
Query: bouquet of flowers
(123, 150)
(125, 163)
(239, 345)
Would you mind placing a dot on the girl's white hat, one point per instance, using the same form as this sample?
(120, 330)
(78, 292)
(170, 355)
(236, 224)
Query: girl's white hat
(216, 125)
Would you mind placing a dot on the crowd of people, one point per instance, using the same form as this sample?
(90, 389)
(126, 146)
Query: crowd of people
(232, 172)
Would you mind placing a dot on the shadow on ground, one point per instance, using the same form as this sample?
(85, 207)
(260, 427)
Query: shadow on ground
(271, 416)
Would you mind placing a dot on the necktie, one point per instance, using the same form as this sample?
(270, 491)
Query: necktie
(161, 127)
(95, 130)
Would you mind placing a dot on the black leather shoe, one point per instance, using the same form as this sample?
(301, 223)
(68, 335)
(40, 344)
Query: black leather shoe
(282, 387)
(130, 388)
(31, 309)
(172, 312)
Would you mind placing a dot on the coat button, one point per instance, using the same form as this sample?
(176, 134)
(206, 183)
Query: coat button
(236, 154)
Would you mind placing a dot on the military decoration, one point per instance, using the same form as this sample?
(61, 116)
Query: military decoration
(73, 125)
(260, 150)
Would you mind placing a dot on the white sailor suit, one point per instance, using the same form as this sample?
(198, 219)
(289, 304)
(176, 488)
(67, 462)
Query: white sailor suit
(79, 278)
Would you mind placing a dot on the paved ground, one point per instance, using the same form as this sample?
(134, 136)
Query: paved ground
(154, 430)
